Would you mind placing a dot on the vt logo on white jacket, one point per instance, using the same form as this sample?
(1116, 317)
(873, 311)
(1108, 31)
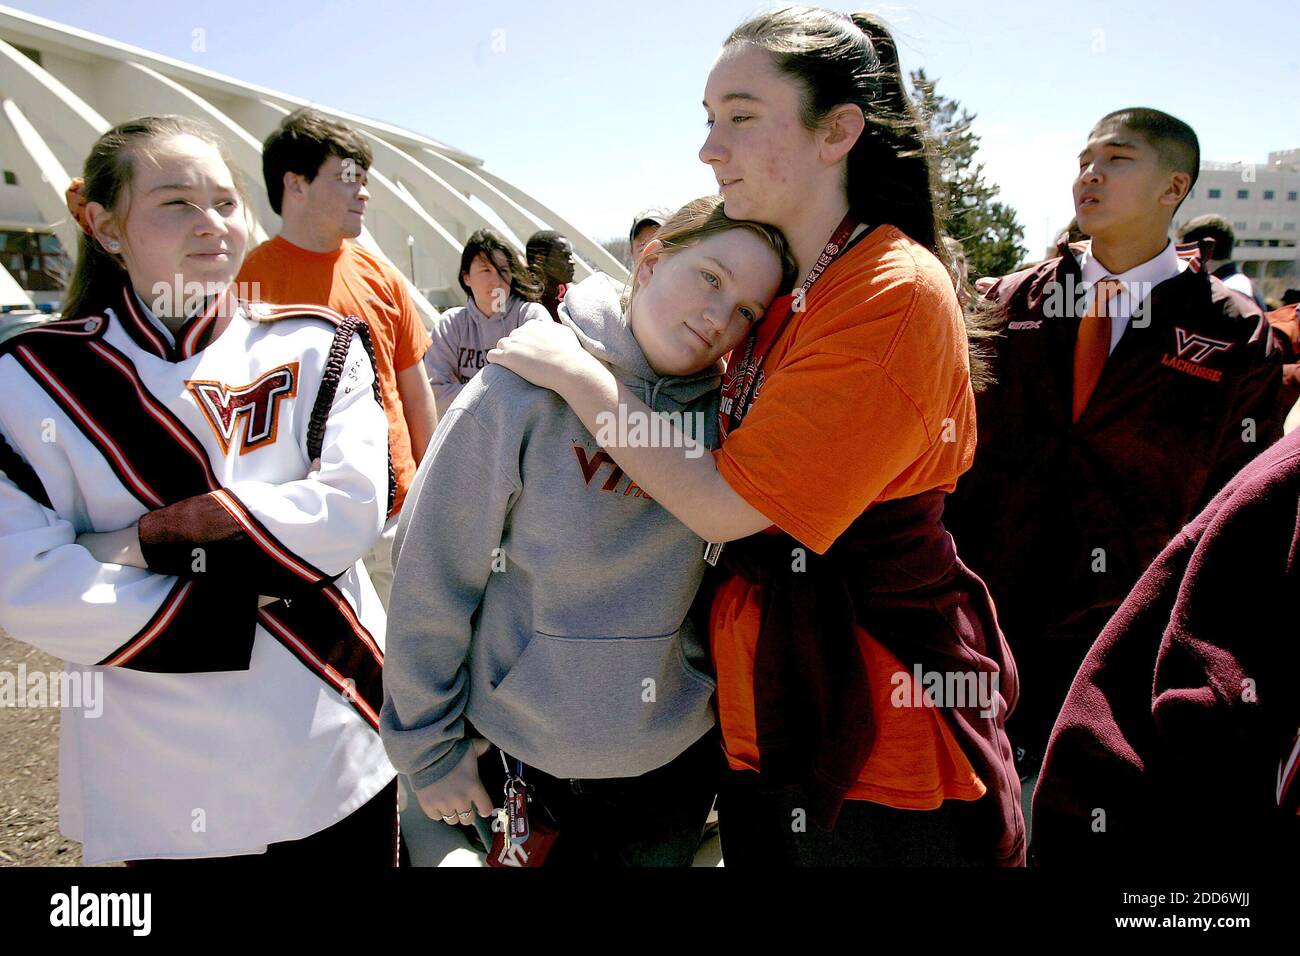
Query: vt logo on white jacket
(258, 403)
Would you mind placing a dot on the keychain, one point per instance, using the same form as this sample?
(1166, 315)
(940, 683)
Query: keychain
(518, 841)
(516, 807)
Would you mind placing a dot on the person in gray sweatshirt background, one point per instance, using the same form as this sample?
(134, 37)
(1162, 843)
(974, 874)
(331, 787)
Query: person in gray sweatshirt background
(541, 600)
(502, 295)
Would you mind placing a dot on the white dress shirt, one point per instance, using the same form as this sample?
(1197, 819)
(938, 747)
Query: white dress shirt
(1137, 284)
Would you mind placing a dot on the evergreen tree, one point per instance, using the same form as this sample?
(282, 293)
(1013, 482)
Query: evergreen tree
(970, 211)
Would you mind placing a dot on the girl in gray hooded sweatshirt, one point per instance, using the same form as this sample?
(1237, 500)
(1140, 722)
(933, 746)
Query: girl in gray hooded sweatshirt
(540, 602)
(501, 295)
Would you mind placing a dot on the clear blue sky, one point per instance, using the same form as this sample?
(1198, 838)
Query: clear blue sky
(595, 107)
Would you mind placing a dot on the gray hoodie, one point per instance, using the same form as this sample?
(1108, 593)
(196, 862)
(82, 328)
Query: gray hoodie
(539, 593)
(460, 341)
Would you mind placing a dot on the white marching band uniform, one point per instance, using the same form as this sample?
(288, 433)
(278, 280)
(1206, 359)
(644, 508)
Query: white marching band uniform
(224, 728)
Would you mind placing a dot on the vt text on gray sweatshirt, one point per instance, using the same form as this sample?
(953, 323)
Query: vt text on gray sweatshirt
(538, 591)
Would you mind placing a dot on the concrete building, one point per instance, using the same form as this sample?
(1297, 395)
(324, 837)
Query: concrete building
(1263, 204)
(61, 87)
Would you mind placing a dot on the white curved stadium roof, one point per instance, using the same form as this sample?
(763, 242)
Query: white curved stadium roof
(61, 87)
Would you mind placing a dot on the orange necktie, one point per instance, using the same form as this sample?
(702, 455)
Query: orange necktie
(1092, 347)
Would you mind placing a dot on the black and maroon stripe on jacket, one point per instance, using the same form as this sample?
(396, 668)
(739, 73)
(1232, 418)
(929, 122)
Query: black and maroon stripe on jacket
(200, 626)
(17, 470)
(190, 338)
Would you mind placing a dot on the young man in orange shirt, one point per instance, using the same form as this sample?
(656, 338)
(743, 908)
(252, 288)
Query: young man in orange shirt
(316, 173)
(316, 170)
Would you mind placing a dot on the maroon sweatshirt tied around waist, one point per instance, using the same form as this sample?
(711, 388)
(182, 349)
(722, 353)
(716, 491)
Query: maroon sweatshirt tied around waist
(896, 575)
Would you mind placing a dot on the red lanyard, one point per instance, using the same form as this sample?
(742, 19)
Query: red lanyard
(744, 378)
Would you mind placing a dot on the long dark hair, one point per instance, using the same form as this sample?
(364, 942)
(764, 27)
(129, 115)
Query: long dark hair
(109, 169)
(891, 171)
(489, 244)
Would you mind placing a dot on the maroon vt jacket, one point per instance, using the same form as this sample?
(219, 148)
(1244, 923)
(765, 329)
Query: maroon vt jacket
(1181, 726)
(1061, 518)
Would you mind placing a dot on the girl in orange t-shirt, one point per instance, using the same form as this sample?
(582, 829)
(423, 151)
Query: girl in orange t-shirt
(863, 682)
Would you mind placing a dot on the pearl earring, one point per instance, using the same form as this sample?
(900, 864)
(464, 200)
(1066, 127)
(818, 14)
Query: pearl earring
(114, 246)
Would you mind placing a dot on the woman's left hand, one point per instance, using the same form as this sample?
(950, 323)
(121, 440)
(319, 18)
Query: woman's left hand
(547, 354)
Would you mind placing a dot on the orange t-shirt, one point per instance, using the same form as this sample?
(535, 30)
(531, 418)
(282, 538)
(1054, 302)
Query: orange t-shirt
(866, 398)
(352, 281)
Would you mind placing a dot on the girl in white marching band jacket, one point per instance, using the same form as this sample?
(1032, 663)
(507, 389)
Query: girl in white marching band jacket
(184, 497)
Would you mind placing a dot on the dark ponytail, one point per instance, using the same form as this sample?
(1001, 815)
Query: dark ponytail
(907, 196)
(109, 169)
(892, 169)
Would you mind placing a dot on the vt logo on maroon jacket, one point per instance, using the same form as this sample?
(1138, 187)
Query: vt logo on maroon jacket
(1192, 351)
(590, 465)
(258, 403)
(1197, 348)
